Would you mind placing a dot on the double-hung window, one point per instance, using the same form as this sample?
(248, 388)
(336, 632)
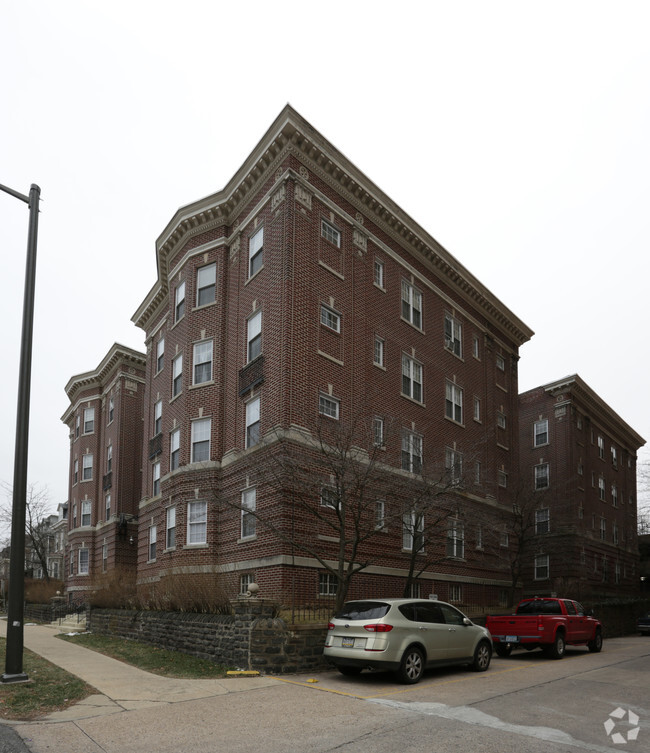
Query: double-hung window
(153, 535)
(328, 406)
(83, 562)
(454, 402)
(329, 318)
(456, 539)
(540, 432)
(160, 354)
(378, 358)
(203, 362)
(155, 472)
(541, 476)
(111, 409)
(542, 520)
(197, 522)
(109, 458)
(177, 375)
(254, 336)
(206, 284)
(174, 449)
(379, 273)
(453, 335)
(411, 304)
(541, 567)
(255, 252)
(85, 512)
(329, 497)
(330, 233)
(252, 422)
(89, 420)
(179, 302)
(411, 452)
(378, 431)
(454, 465)
(201, 439)
(170, 523)
(157, 417)
(248, 506)
(87, 467)
(412, 531)
(411, 378)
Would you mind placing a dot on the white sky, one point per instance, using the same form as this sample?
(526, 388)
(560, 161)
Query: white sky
(517, 134)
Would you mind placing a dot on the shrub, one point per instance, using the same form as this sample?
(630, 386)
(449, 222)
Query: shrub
(185, 592)
(114, 590)
(38, 591)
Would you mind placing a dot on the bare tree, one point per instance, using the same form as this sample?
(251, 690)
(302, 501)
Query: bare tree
(38, 534)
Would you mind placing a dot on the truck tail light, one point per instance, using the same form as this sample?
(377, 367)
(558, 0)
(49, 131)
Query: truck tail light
(380, 627)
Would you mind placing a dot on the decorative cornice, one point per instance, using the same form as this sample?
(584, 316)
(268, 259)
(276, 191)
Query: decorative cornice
(290, 133)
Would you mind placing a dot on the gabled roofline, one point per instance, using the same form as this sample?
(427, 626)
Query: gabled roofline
(291, 133)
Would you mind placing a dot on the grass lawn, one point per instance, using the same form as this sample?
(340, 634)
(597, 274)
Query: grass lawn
(51, 688)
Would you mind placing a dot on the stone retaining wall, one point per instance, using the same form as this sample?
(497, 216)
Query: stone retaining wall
(251, 638)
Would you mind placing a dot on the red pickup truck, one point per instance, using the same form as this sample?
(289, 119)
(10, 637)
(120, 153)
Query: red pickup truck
(549, 624)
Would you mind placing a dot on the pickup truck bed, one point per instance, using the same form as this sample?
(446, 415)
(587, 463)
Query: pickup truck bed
(547, 623)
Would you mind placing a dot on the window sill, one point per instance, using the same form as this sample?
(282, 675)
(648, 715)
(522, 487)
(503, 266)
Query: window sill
(329, 269)
(415, 326)
(195, 546)
(204, 306)
(247, 539)
(253, 276)
(379, 287)
(201, 384)
(379, 366)
(413, 400)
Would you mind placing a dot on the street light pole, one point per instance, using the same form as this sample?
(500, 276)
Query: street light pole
(15, 610)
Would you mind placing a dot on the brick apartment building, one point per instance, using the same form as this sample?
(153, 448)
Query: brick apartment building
(294, 309)
(578, 458)
(105, 423)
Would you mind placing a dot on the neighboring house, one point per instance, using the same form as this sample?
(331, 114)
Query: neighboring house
(105, 423)
(56, 556)
(46, 541)
(579, 457)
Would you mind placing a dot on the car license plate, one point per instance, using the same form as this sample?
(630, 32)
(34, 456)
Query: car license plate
(511, 639)
(347, 642)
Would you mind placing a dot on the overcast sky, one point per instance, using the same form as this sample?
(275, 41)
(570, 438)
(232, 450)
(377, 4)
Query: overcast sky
(517, 134)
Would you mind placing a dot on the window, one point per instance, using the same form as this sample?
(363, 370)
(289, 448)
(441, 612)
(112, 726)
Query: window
(256, 252)
(174, 449)
(160, 354)
(197, 522)
(479, 536)
(379, 274)
(413, 531)
(453, 335)
(614, 457)
(476, 351)
(253, 422)
(411, 452)
(77, 424)
(477, 408)
(601, 448)
(111, 409)
(614, 495)
(330, 318)
(201, 429)
(329, 497)
(541, 567)
(501, 362)
(87, 468)
(155, 478)
(540, 433)
(152, 542)
(203, 362)
(206, 284)
(541, 476)
(411, 304)
(411, 378)
(380, 514)
(455, 592)
(245, 582)
(74, 515)
(453, 465)
(330, 233)
(248, 520)
(477, 471)
(107, 506)
(327, 584)
(454, 402)
(601, 488)
(85, 512)
(542, 520)
(603, 529)
(502, 479)
(378, 431)
(83, 562)
(456, 539)
(504, 539)
(157, 417)
(379, 351)
(615, 534)
(328, 406)
(89, 420)
(501, 420)
(179, 308)
(104, 557)
(170, 535)
(109, 458)
(75, 472)
(177, 375)
(254, 335)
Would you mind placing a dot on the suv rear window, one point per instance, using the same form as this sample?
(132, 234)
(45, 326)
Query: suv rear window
(363, 610)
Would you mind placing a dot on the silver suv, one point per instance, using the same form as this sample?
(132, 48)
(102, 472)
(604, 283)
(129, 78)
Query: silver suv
(406, 636)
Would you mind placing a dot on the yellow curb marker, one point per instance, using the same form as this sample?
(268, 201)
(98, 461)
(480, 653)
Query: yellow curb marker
(242, 673)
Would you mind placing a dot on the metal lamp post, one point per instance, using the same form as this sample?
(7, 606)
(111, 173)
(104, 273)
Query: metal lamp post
(14, 654)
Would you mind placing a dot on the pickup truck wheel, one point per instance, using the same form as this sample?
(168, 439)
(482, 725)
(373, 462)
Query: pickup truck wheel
(556, 651)
(596, 645)
(412, 667)
(482, 657)
(503, 650)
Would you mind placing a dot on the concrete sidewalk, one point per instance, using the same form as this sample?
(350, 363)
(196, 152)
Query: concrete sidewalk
(120, 686)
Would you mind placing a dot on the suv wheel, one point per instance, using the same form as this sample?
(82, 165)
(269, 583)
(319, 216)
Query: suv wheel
(482, 657)
(412, 666)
